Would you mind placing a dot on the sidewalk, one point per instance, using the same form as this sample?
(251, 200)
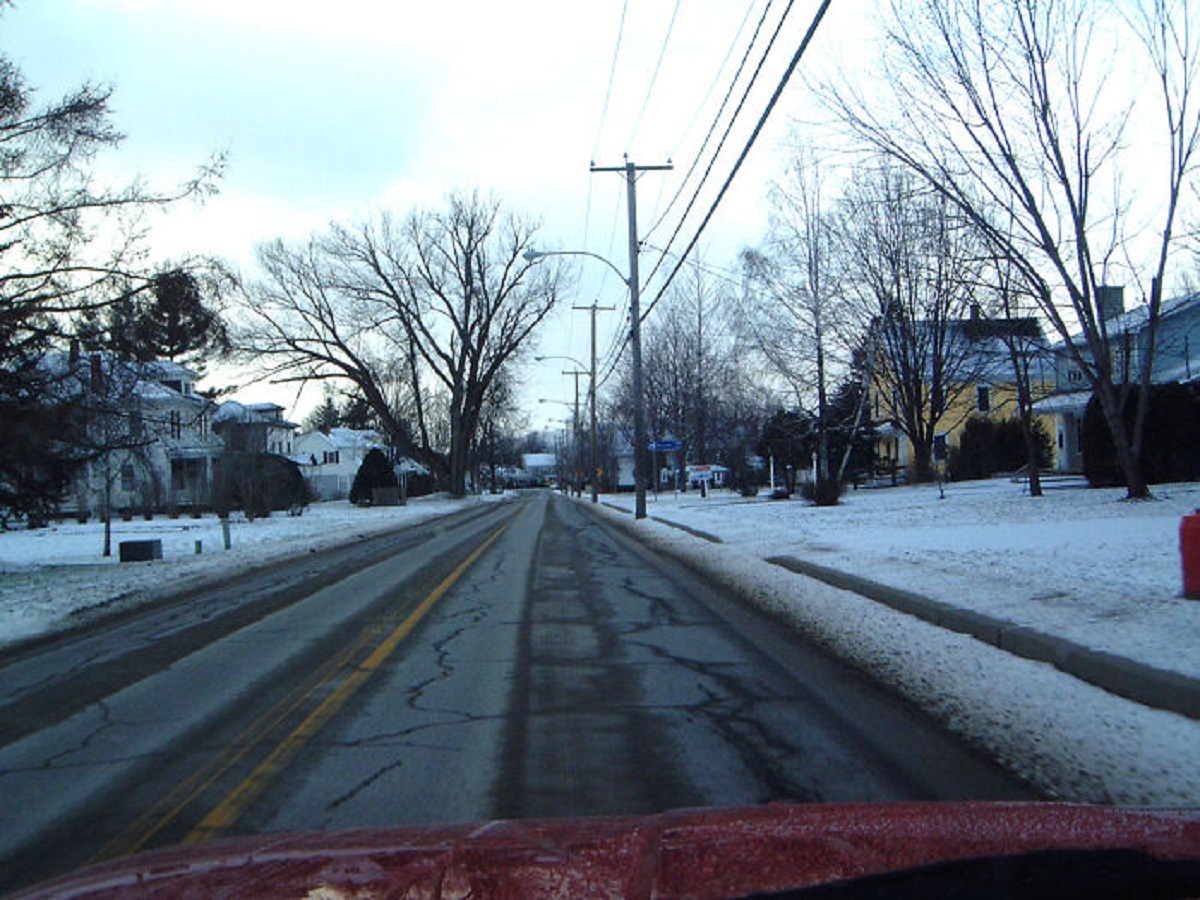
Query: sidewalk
(1137, 681)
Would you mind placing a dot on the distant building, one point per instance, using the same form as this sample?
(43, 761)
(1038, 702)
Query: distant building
(983, 383)
(542, 467)
(330, 459)
(150, 434)
(254, 428)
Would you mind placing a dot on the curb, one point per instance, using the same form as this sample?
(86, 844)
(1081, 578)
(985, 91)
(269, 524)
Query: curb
(1118, 675)
(694, 532)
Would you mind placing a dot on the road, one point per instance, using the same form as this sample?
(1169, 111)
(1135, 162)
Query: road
(523, 660)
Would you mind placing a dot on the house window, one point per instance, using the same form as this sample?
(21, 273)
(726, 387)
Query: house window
(331, 456)
(176, 424)
(983, 398)
(128, 482)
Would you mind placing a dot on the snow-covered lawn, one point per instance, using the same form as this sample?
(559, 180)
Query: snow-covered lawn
(1082, 564)
(51, 578)
(1078, 563)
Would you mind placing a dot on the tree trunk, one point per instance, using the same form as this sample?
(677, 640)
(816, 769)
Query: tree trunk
(1136, 487)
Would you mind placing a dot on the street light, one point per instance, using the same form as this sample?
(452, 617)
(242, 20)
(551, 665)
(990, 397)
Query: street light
(635, 343)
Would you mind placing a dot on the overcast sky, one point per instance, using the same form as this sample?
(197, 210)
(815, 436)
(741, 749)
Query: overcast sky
(329, 111)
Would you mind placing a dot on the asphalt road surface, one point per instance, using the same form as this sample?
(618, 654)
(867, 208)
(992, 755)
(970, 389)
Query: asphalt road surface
(524, 659)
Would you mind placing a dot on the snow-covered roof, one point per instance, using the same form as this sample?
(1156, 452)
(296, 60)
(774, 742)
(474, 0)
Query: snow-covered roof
(75, 372)
(1068, 402)
(250, 414)
(1134, 319)
(355, 438)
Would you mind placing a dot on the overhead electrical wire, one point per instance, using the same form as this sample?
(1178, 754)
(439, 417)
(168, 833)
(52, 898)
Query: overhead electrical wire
(786, 77)
(737, 76)
(762, 121)
(612, 73)
(724, 137)
(617, 351)
(654, 77)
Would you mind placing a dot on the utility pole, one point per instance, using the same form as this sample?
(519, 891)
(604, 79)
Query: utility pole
(575, 427)
(593, 309)
(635, 331)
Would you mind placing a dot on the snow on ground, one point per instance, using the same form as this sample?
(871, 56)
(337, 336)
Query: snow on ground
(55, 578)
(1083, 564)
(1077, 562)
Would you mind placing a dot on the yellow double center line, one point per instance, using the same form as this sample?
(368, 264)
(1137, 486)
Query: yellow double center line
(230, 809)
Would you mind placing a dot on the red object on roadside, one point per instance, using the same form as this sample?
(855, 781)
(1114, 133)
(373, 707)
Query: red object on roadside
(1189, 551)
(715, 853)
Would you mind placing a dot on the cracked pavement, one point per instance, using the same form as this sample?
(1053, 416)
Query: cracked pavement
(568, 672)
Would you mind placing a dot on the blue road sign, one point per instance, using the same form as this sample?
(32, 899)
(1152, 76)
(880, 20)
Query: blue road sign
(665, 446)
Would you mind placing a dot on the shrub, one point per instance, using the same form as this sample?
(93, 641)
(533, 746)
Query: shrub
(1170, 444)
(823, 491)
(375, 472)
(988, 446)
(421, 484)
(258, 484)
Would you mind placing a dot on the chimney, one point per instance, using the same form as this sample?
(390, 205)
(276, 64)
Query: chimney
(1110, 301)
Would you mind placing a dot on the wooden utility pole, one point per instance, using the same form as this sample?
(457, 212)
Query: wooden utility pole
(640, 443)
(595, 479)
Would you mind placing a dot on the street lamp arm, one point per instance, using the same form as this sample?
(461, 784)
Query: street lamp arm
(533, 256)
(569, 359)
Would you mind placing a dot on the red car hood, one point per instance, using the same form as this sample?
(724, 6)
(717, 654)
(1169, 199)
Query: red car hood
(685, 853)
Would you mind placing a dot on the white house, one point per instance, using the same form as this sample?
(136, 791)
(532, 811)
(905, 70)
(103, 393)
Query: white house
(156, 446)
(330, 460)
(255, 428)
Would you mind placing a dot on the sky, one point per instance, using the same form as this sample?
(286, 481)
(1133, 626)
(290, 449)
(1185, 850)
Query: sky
(332, 112)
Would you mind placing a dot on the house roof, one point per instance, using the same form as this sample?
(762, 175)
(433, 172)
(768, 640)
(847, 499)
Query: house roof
(233, 412)
(1067, 402)
(145, 380)
(1135, 319)
(354, 438)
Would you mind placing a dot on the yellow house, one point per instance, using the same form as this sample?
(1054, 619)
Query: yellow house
(923, 396)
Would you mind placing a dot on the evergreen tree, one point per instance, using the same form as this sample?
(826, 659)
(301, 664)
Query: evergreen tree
(169, 321)
(324, 418)
(375, 472)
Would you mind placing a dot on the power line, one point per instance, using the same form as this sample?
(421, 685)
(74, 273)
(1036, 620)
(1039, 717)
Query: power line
(724, 137)
(654, 77)
(796, 57)
(612, 72)
(720, 110)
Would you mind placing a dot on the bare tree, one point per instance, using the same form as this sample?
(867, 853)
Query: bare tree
(798, 318)
(915, 266)
(296, 321)
(689, 367)
(1007, 110)
(440, 302)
